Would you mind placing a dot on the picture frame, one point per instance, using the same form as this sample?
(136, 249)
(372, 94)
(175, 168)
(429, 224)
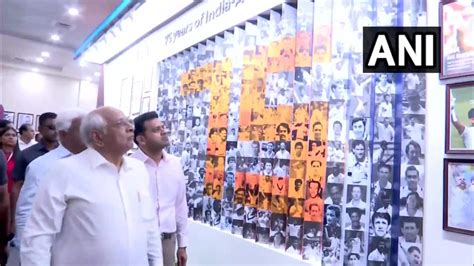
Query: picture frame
(458, 215)
(135, 99)
(459, 137)
(24, 118)
(457, 57)
(145, 106)
(10, 116)
(37, 123)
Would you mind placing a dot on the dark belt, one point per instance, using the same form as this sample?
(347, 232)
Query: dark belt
(166, 236)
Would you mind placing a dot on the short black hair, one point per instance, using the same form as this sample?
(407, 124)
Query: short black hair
(415, 145)
(299, 144)
(413, 248)
(285, 125)
(381, 215)
(470, 114)
(358, 119)
(317, 123)
(4, 123)
(357, 142)
(354, 254)
(382, 165)
(45, 116)
(24, 128)
(139, 122)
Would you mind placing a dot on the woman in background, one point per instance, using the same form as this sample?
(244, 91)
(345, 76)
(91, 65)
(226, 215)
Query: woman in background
(9, 146)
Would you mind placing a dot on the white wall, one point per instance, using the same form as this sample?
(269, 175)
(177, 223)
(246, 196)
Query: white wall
(36, 93)
(212, 246)
(440, 247)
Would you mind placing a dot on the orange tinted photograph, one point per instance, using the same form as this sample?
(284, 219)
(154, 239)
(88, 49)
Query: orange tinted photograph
(244, 133)
(299, 150)
(251, 189)
(280, 186)
(287, 54)
(296, 188)
(265, 184)
(296, 207)
(303, 49)
(264, 201)
(322, 44)
(279, 204)
(285, 113)
(298, 169)
(313, 210)
(301, 113)
(316, 170)
(300, 132)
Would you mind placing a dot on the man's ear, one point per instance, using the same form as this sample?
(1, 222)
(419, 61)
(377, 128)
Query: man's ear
(141, 140)
(97, 138)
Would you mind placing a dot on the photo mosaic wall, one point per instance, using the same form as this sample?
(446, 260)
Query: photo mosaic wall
(287, 143)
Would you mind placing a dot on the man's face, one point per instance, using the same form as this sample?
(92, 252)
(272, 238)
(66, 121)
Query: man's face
(255, 149)
(410, 232)
(383, 174)
(414, 258)
(268, 167)
(318, 129)
(359, 152)
(381, 246)
(298, 183)
(283, 132)
(29, 133)
(353, 261)
(314, 211)
(282, 146)
(156, 135)
(270, 147)
(412, 153)
(355, 218)
(48, 130)
(380, 227)
(313, 189)
(299, 150)
(356, 193)
(223, 134)
(358, 128)
(460, 181)
(412, 179)
(118, 136)
(336, 195)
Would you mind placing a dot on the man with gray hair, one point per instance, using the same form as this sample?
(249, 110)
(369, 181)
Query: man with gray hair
(67, 125)
(94, 208)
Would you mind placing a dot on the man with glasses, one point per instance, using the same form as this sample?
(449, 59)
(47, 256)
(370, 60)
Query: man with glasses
(167, 185)
(94, 208)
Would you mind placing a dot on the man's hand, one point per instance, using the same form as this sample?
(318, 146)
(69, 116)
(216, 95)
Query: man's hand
(182, 256)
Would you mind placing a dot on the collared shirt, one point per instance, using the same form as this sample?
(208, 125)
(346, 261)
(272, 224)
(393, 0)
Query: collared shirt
(87, 212)
(25, 158)
(376, 255)
(34, 173)
(168, 191)
(23, 145)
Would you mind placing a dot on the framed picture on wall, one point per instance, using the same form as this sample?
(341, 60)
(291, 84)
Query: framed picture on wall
(458, 211)
(37, 122)
(10, 116)
(136, 97)
(145, 105)
(125, 95)
(24, 118)
(460, 118)
(457, 43)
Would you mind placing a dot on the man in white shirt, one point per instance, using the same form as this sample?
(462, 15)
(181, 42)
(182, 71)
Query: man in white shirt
(94, 208)
(283, 153)
(167, 186)
(412, 177)
(466, 132)
(378, 254)
(67, 125)
(385, 131)
(27, 135)
(384, 175)
(356, 201)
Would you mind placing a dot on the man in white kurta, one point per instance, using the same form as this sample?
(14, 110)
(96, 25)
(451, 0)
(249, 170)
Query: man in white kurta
(94, 208)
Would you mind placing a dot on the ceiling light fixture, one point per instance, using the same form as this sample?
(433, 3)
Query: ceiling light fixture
(44, 54)
(34, 69)
(39, 60)
(73, 11)
(97, 74)
(55, 37)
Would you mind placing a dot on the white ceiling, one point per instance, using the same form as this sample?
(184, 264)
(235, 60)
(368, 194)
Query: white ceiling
(26, 27)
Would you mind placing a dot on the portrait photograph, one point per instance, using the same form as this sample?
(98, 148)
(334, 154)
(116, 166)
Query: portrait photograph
(10, 116)
(457, 45)
(458, 212)
(460, 118)
(24, 118)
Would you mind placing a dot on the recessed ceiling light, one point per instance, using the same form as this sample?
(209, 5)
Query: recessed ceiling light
(55, 37)
(39, 60)
(97, 74)
(73, 11)
(34, 69)
(82, 63)
(44, 54)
